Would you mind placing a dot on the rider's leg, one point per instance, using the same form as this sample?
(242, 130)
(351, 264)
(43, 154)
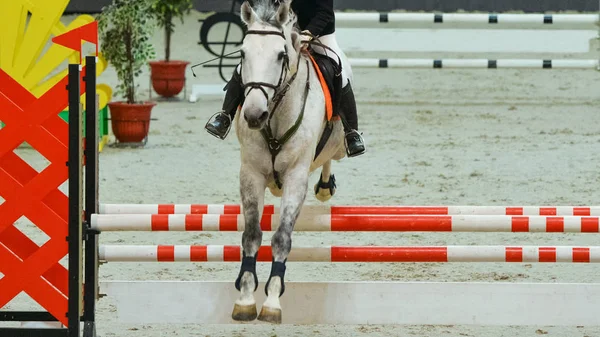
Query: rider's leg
(355, 144)
(220, 123)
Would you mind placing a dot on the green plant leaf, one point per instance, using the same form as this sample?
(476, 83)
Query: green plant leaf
(125, 28)
(165, 11)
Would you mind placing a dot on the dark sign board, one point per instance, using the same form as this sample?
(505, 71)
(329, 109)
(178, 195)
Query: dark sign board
(89, 6)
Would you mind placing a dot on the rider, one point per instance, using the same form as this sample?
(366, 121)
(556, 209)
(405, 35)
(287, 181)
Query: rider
(316, 18)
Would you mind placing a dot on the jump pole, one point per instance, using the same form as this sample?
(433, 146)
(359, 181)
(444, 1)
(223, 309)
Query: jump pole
(349, 223)
(357, 209)
(381, 20)
(375, 254)
(474, 63)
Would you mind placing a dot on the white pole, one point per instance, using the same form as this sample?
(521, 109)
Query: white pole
(350, 254)
(354, 209)
(385, 19)
(349, 223)
(473, 63)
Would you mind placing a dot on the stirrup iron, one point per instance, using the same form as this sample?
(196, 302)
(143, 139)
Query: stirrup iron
(212, 118)
(356, 134)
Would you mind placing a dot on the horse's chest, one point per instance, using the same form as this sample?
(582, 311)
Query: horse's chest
(283, 161)
(256, 151)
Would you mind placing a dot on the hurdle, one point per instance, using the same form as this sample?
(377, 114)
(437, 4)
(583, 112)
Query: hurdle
(473, 63)
(388, 19)
(349, 209)
(497, 21)
(335, 254)
(372, 302)
(470, 20)
(348, 223)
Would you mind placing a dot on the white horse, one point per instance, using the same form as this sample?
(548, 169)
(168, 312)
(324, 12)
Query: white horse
(278, 127)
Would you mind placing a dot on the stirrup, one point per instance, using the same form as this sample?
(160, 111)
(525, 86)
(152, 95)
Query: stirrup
(357, 134)
(213, 118)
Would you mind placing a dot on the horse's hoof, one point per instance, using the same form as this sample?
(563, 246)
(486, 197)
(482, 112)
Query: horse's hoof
(270, 315)
(244, 313)
(323, 194)
(324, 191)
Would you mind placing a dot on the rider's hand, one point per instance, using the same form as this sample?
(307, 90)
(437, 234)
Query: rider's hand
(305, 37)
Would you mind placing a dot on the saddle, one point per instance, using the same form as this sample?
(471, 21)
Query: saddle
(330, 77)
(329, 73)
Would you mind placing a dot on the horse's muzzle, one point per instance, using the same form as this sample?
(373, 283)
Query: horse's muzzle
(256, 122)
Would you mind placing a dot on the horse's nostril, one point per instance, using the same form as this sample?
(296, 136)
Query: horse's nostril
(254, 120)
(264, 115)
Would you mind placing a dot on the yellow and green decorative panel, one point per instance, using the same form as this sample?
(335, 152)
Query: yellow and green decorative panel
(28, 55)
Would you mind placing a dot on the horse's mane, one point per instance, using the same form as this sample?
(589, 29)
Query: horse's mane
(266, 11)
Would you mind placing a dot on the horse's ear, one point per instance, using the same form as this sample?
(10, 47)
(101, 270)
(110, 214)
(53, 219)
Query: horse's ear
(247, 14)
(283, 13)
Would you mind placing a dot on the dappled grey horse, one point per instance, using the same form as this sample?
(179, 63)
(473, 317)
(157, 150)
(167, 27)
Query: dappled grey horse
(279, 128)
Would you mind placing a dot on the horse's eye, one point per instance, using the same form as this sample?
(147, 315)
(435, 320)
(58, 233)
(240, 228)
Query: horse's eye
(281, 56)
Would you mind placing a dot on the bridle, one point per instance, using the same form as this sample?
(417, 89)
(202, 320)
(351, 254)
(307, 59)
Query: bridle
(285, 69)
(273, 143)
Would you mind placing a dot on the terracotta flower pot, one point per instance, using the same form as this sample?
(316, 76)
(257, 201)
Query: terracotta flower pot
(168, 78)
(130, 122)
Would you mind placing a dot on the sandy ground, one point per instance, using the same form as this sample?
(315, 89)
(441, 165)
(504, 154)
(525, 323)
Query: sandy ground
(464, 137)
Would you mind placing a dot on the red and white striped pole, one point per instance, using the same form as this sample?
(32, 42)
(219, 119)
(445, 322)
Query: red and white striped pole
(219, 253)
(372, 210)
(344, 223)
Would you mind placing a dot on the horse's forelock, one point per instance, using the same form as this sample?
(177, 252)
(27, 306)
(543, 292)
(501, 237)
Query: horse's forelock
(266, 11)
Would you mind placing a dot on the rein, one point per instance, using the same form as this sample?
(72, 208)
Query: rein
(273, 143)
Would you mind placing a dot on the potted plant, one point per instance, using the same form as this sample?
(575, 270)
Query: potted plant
(125, 28)
(168, 76)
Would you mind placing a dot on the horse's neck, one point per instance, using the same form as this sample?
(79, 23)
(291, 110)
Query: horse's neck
(291, 104)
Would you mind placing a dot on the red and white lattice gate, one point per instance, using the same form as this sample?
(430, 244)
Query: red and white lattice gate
(25, 266)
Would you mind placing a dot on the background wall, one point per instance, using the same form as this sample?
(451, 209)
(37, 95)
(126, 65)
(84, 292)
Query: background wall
(89, 6)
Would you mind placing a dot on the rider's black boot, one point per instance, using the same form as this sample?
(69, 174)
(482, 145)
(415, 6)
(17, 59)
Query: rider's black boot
(220, 123)
(355, 145)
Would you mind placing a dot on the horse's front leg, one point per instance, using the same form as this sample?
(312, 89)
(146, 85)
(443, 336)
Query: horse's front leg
(294, 193)
(252, 190)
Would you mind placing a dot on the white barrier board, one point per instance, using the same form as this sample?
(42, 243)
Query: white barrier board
(365, 303)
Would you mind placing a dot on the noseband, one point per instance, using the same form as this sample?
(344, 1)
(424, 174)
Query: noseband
(285, 67)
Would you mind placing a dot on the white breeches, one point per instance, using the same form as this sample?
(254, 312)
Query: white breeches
(331, 42)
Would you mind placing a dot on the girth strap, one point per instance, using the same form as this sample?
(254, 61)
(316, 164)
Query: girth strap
(324, 138)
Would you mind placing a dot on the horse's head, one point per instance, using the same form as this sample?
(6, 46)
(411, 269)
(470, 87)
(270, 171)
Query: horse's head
(270, 51)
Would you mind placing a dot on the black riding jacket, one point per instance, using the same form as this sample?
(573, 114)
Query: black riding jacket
(316, 16)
